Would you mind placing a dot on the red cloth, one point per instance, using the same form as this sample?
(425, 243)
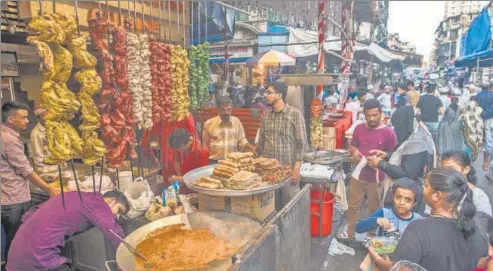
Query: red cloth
(162, 131)
(341, 126)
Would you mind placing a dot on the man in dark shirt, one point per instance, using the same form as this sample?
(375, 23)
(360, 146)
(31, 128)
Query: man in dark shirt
(485, 101)
(372, 135)
(430, 107)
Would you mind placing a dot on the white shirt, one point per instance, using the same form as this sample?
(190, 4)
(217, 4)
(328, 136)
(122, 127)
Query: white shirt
(355, 108)
(445, 101)
(386, 102)
(369, 96)
(40, 151)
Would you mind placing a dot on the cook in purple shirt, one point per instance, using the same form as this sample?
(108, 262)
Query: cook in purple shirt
(46, 227)
(372, 135)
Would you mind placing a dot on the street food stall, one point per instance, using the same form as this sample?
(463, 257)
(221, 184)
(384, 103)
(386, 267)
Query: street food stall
(132, 74)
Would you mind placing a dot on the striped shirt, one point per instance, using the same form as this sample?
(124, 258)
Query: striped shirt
(282, 135)
(222, 138)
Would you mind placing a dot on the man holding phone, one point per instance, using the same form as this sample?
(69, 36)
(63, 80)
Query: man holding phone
(372, 135)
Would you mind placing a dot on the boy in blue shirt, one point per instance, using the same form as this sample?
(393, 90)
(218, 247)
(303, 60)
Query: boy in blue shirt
(393, 221)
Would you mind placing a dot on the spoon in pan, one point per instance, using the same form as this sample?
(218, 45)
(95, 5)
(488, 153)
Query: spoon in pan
(147, 264)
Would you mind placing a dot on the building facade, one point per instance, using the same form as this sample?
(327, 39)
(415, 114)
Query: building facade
(454, 8)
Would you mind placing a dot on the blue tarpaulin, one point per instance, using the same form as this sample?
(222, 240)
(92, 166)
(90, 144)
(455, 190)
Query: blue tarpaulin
(479, 34)
(212, 17)
(463, 61)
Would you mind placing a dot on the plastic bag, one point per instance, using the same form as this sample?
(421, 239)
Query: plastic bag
(139, 195)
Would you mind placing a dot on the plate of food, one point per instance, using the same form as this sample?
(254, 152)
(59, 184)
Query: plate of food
(240, 174)
(383, 245)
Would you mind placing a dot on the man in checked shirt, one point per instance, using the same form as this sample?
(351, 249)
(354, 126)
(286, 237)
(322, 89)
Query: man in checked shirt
(282, 136)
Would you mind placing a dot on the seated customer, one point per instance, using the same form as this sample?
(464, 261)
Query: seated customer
(393, 221)
(47, 227)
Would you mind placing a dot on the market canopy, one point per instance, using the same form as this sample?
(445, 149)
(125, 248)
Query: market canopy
(475, 58)
(305, 43)
(272, 58)
(375, 53)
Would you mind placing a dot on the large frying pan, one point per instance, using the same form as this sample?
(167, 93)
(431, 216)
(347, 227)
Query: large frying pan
(236, 229)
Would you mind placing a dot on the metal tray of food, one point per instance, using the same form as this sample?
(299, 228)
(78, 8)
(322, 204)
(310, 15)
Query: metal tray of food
(237, 230)
(198, 173)
(326, 157)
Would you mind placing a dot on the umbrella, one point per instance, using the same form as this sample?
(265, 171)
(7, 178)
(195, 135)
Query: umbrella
(272, 58)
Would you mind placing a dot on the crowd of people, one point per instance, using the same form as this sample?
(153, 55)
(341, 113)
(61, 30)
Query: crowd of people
(418, 178)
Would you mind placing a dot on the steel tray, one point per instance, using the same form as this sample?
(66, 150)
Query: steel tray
(336, 156)
(198, 173)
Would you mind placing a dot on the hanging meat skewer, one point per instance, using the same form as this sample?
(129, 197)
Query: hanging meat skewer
(116, 115)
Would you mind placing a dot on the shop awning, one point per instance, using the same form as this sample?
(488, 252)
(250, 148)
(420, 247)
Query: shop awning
(474, 58)
(306, 43)
(375, 53)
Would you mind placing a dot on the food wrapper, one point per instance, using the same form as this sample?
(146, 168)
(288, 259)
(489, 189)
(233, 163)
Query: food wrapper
(170, 195)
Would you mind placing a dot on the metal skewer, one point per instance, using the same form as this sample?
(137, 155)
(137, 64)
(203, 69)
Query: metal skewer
(119, 14)
(159, 20)
(61, 185)
(76, 181)
(184, 25)
(101, 175)
(40, 8)
(169, 20)
(118, 178)
(135, 18)
(143, 17)
(152, 19)
(77, 17)
(93, 179)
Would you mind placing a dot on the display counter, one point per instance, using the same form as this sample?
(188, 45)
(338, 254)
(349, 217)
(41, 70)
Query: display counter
(341, 125)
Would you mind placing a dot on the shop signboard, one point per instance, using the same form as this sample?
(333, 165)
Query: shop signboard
(9, 64)
(217, 53)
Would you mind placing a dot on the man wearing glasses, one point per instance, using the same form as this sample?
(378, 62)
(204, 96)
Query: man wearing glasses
(282, 136)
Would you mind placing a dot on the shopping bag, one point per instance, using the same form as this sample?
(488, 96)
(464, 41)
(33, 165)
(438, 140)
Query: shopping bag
(139, 195)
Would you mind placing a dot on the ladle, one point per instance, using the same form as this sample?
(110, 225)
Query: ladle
(147, 264)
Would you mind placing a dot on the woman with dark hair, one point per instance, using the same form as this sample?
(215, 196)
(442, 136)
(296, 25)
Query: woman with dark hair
(449, 136)
(448, 239)
(460, 161)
